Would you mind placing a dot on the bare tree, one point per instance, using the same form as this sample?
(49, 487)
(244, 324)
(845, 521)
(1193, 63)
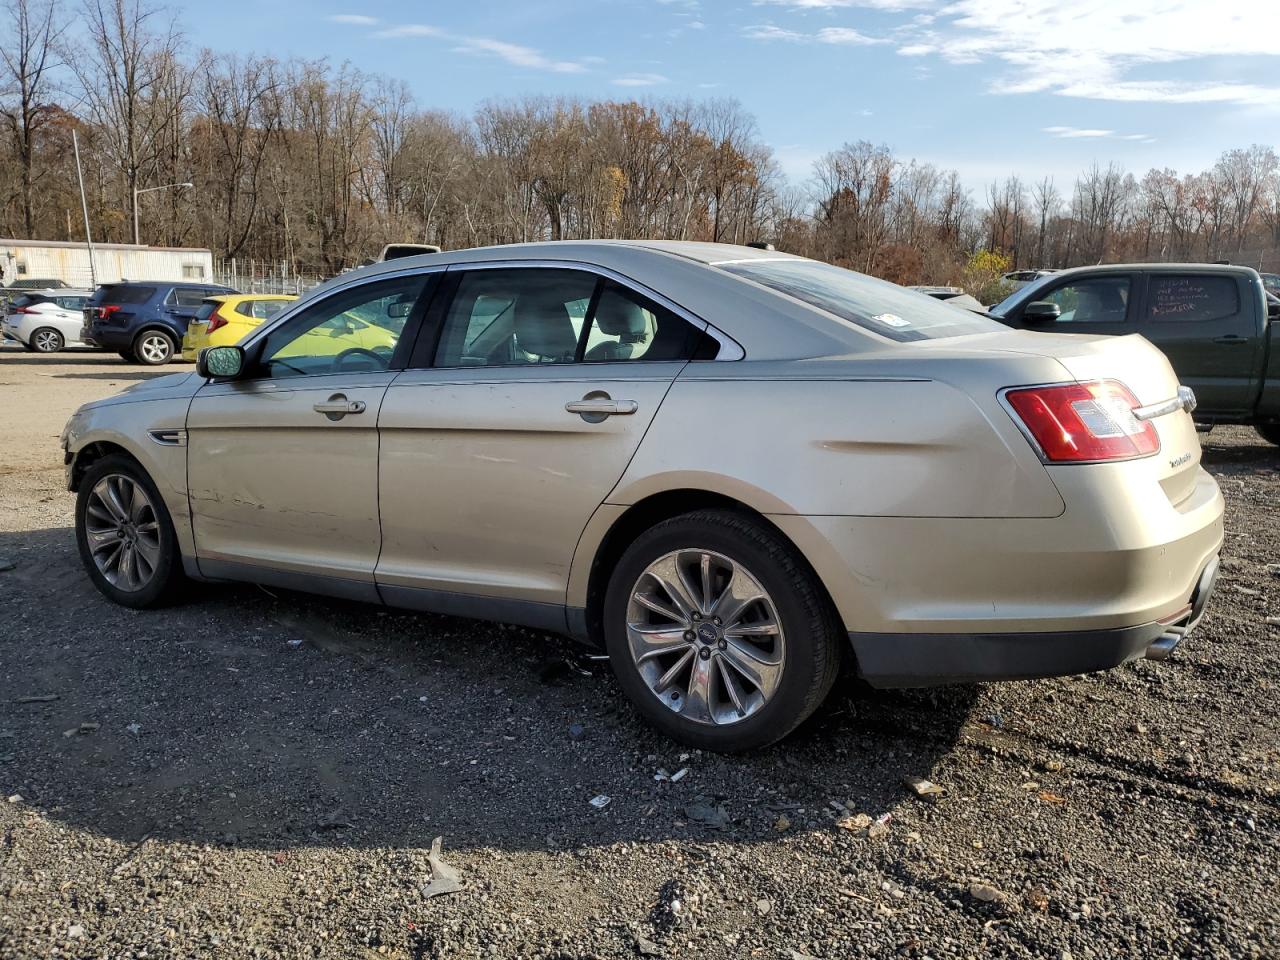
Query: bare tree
(27, 64)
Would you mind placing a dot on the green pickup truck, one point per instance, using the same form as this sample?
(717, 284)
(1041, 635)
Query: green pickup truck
(1219, 328)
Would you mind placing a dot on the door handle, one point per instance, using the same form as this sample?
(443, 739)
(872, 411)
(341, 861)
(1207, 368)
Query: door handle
(597, 406)
(1230, 338)
(338, 406)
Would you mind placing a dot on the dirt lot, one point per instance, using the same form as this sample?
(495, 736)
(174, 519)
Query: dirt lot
(259, 774)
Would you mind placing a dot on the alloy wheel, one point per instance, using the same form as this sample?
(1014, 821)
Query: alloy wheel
(123, 532)
(705, 636)
(154, 348)
(47, 341)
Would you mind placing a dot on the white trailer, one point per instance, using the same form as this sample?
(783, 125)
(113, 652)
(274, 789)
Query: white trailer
(69, 262)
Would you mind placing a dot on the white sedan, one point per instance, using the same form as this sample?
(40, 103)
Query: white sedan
(45, 321)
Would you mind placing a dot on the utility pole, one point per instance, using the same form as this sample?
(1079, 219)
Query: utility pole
(84, 205)
(136, 191)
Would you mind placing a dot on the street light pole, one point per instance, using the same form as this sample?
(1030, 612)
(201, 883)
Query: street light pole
(136, 191)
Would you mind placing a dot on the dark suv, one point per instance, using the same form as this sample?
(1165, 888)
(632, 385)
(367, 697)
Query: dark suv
(144, 322)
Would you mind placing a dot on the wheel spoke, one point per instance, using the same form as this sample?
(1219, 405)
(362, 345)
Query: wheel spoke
(100, 540)
(765, 628)
(648, 642)
(751, 665)
(704, 567)
(731, 686)
(668, 678)
(668, 576)
(698, 702)
(138, 502)
(661, 609)
(106, 495)
(149, 551)
(738, 595)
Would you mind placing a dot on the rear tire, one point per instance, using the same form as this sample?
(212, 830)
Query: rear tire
(1269, 432)
(154, 348)
(125, 535)
(46, 340)
(744, 680)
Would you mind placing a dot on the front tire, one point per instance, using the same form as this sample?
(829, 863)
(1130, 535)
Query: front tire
(719, 632)
(46, 340)
(154, 348)
(125, 535)
(1269, 432)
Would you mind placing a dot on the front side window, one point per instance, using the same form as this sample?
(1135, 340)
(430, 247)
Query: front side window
(337, 335)
(1187, 298)
(1100, 300)
(875, 305)
(516, 316)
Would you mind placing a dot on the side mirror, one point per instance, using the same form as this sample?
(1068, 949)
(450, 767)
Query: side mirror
(1273, 309)
(220, 363)
(1041, 311)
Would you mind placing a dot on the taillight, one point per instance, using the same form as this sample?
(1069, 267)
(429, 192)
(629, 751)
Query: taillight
(216, 322)
(104, 312)
(1084, 422)
(23, 310)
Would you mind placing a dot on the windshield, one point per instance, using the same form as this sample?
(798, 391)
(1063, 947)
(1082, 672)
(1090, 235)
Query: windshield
(876, 305)
(1027, 293)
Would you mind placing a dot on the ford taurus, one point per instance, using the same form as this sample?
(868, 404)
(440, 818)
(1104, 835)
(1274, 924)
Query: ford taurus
(733, 468)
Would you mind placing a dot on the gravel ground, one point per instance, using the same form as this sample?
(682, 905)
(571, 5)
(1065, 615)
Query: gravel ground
(262, 774)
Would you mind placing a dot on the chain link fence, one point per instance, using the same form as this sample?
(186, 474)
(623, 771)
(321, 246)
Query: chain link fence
(263, 276)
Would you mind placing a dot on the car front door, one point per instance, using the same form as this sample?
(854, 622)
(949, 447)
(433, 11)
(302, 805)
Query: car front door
(1207, 325)
(500, 443)
(1104, 303)
(282, 463)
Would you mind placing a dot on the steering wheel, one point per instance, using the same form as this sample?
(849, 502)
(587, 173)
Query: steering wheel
(382, 362)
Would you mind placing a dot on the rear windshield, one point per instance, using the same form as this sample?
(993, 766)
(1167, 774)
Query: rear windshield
(123, 293)
(206, 310)
(876, 305)
(29, 300)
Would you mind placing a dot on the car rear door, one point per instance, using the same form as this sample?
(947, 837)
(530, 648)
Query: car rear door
(1207, 324)
(498, 444)
(282, 465)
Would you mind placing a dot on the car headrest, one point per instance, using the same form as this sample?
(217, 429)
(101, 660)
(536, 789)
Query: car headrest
(543, 327)
(616, 317)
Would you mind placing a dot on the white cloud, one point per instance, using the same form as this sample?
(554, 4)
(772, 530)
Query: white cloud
(840, 36)
(1090, 48)
(512, 53)
(353, 19)
(640, 80)
(517, 55)
(1094, 133)
(410, 30)
(837, 4)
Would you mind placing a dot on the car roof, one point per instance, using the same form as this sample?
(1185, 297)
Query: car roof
(241, 297)
(1224, 268)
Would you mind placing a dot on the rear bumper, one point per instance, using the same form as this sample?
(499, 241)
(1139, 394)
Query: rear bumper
(924, 659)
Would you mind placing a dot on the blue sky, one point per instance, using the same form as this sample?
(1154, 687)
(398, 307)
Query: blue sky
(988, 87)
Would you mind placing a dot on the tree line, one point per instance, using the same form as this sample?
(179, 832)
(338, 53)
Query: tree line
(317, 165)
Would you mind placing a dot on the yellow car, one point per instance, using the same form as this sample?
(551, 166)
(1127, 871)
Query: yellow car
(225, 320)
(222, 321)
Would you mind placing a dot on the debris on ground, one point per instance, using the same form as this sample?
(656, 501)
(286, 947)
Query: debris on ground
(708, 815)
(82, 729)
(880, 826)
(925, 788)
(444, 878)
(6, 565)
(985, 893)
(600, 801)
(40, 698)
(1051, 798)
(647, 948)
(577, 732)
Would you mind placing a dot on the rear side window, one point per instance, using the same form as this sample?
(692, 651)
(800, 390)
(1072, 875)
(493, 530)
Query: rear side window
(123, 293)
(627, 326)
(875, 305)
(187, 296)
(71, 303)
(1186, 298)
(261, 309)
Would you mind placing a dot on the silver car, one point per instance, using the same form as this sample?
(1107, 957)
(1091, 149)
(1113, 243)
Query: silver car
(732, 468)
